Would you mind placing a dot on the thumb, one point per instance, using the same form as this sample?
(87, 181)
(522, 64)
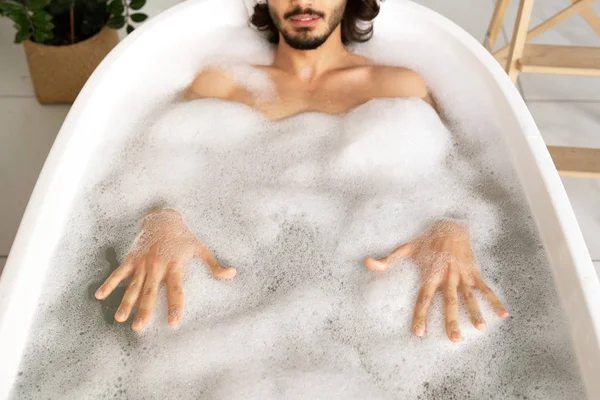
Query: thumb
(383, 264)
(216, 269)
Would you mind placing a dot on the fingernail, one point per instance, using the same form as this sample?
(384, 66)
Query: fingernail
(121, 314)
(229, 273)
(501, 311)
(138, 323)
(376, 265)
(173, 318)
(455, 335)
(419, 330)
(99, 292)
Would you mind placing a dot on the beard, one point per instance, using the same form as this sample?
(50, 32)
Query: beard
(302, 38)
(305, 41)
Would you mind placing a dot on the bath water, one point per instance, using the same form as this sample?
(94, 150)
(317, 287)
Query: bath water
(295, 206)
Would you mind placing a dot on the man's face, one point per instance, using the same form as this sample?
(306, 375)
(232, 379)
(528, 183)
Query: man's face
(306, 24)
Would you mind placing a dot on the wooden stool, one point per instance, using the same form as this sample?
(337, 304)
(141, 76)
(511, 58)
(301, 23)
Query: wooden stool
(520, 57)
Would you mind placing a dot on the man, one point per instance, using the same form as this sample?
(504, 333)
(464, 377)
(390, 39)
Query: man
(312, 72)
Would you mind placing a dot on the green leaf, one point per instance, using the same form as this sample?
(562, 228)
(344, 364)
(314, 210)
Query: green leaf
(9, 8)
(35, 5)
(20, 19)
(19, 37)
(138, 17)
(49, 28)
(22, 34)
(116, 22)
(130, 29)
(42, 36)
(42, 25)
(116, 7)
(41, 17)
(137, 4)
(46, 27)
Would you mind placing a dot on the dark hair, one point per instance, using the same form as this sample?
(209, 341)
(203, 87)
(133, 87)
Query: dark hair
(356, 24)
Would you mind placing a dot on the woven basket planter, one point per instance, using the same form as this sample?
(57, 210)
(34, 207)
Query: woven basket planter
(59, 72)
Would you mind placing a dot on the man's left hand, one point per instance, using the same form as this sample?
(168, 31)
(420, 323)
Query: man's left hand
(445, 259)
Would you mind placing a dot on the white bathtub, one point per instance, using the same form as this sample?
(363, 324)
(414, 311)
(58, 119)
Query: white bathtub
(153, 50)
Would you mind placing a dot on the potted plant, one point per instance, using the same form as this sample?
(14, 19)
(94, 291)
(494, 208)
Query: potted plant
(65, 40)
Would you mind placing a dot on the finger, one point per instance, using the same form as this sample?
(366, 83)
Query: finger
(175, 292)
(132, 293)
(497, 305)
(150, 290)
(473, 307)
(216, 269)
(422, 308)
(404, 251)
(451, 303)
(118, 275)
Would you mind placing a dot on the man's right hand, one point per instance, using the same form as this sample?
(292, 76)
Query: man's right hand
(159, 254)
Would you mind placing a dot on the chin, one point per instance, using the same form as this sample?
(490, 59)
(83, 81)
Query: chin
(303, 40)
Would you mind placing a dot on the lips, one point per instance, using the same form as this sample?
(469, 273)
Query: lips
(304, 20)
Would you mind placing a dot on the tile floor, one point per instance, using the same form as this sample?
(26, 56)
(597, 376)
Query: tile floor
(567, 110)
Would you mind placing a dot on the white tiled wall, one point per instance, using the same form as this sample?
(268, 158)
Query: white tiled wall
(567, 110)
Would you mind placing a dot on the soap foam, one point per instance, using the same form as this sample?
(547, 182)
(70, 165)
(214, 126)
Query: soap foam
(295, 206)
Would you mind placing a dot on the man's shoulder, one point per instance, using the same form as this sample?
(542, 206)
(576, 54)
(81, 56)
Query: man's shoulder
(397, 73)
(212, 83)
(393, 81)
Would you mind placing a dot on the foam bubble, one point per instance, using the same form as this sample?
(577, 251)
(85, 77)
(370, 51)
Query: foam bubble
(374, 144)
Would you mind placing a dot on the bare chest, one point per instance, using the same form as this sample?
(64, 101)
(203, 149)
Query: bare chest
(288, 101)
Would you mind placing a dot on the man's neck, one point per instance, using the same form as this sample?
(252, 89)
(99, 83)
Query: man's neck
(308, 65)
